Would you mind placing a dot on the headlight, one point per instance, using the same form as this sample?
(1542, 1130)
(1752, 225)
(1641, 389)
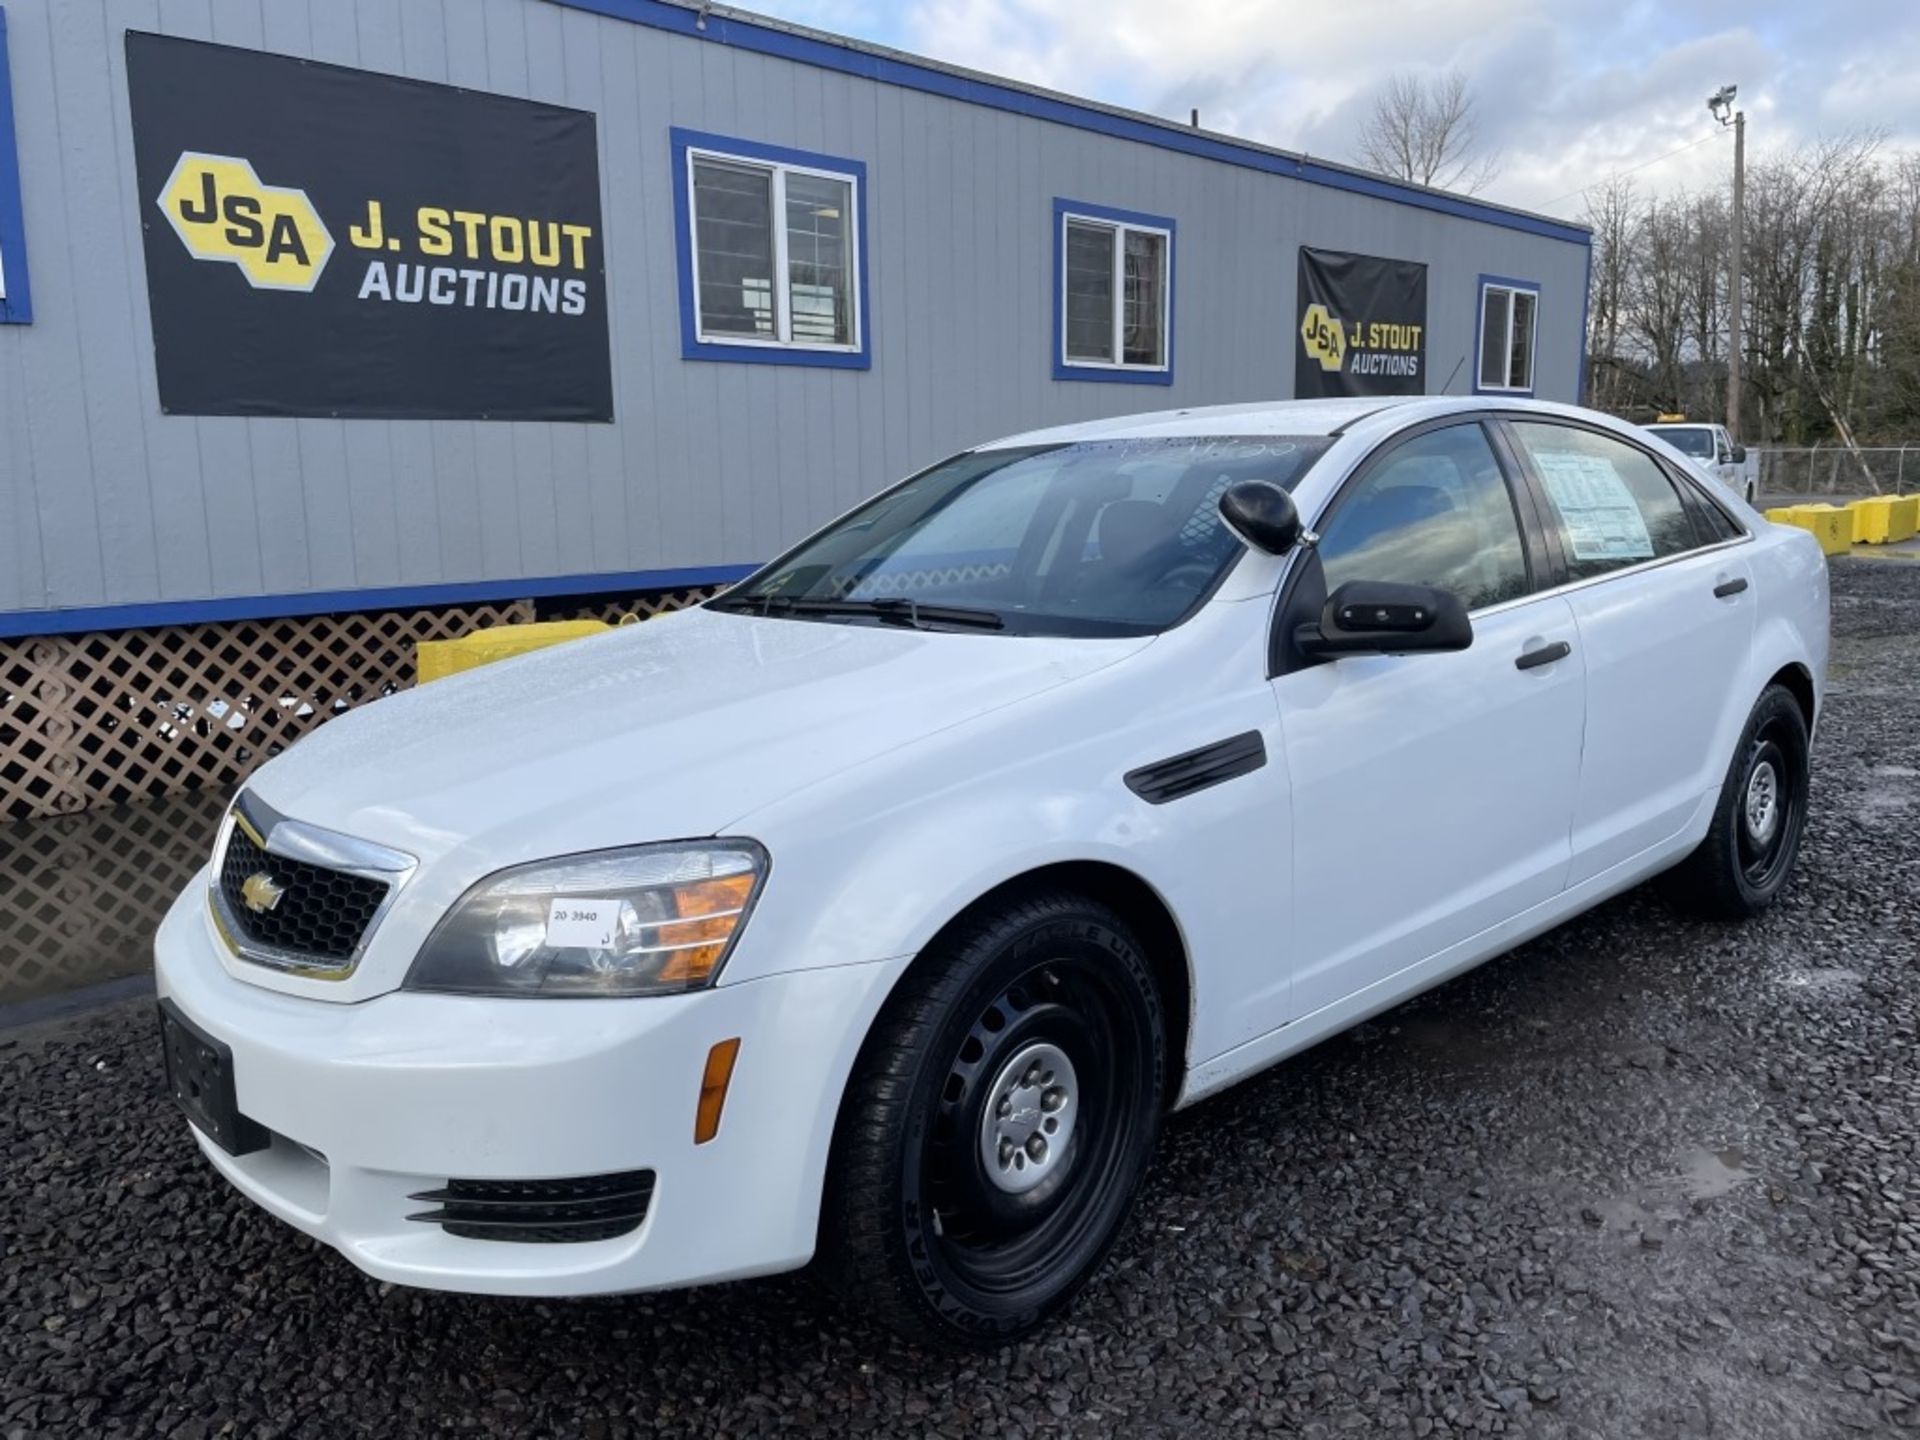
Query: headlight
(653, 920)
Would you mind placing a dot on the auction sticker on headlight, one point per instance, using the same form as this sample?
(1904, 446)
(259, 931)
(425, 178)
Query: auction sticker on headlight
(577, 924)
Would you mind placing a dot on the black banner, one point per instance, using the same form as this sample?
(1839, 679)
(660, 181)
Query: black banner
(328, 241)
(1363, 326)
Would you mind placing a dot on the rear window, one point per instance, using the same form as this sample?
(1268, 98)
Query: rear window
(1687, 439)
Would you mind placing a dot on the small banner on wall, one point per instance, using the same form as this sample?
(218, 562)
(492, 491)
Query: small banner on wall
(328, 241)
(1363, 326)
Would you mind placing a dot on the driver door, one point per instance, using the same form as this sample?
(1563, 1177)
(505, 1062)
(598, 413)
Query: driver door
(1433, 794)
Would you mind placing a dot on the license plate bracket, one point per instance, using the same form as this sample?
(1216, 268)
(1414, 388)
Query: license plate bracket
(200, 1078)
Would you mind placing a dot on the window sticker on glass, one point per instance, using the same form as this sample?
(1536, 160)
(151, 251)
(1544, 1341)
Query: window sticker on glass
(1602, 520)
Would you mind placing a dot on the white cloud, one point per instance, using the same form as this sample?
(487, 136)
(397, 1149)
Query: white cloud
(1569, 91)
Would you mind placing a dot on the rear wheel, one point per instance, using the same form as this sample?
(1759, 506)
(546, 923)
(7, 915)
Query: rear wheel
(1743, 864)
(998, 1124)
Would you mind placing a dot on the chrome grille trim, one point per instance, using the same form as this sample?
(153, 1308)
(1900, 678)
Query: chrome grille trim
(312, 845)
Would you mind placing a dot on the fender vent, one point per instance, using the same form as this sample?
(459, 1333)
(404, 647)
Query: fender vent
(1180, 775)
(541, 1212)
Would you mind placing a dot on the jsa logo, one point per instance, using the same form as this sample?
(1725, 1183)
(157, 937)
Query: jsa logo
(1324, 337)
(221, 211)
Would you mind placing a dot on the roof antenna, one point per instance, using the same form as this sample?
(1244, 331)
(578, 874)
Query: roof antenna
(1195, 122)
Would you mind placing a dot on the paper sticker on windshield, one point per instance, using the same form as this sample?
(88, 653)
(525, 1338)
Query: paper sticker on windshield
(575, 924)
(1603, 522)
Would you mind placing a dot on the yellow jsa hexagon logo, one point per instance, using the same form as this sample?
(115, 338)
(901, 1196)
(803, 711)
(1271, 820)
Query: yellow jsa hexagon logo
(1325, 337)
(221, 211)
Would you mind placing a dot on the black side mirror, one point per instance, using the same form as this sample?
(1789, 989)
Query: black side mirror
(1262, 514)
(1382, 618)
(1739, 454)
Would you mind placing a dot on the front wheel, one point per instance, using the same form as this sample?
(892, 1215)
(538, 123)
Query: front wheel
(1743, 864)
(998, 1124)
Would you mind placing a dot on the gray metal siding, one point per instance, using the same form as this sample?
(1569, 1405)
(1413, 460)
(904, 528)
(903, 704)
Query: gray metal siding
(110, 502)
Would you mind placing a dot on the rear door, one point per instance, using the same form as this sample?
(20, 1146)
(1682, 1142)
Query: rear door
(1663, 600)
(1432, 794)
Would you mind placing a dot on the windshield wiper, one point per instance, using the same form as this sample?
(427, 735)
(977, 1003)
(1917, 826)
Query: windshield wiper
(899, 610)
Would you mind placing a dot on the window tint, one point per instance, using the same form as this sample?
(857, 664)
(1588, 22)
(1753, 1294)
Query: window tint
(1436, 512)
(1614, 505)
(1687, 439)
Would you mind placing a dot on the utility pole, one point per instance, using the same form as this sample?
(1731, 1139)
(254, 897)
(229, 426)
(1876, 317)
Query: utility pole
(1720, 103)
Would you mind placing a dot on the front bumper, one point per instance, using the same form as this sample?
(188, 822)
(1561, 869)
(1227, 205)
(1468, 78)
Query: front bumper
(373, 1102)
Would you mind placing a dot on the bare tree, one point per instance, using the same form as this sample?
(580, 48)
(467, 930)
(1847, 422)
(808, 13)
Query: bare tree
(1423, 129)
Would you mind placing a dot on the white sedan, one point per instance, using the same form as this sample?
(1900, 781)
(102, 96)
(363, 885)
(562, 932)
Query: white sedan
(880, 909)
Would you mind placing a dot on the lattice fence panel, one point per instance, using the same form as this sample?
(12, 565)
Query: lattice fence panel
(116, 716)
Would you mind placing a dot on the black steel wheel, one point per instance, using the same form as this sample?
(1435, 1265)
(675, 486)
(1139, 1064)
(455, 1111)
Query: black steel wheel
(998, 1124)
(1743, 864)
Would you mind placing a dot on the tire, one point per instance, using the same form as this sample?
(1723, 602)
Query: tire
(956, 1219)
(1743, 864)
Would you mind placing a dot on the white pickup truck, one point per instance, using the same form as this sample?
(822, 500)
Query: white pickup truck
(1713, 450)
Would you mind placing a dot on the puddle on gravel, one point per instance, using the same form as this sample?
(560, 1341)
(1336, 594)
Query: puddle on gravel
(80, 895)
(1707, 1174)
(1821, 977)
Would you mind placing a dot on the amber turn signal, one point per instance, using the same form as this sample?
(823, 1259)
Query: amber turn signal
(713, 1089)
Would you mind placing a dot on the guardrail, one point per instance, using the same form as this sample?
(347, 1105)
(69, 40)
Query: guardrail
(1837, 470)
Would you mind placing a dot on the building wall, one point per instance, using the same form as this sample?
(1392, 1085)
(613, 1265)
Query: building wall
(106, 502)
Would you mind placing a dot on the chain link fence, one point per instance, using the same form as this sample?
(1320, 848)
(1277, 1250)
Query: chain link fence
(1819, 470)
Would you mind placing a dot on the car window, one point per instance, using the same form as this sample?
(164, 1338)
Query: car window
(1103, 537)
(1688, 440)
(1613, 503)
(1434, 511)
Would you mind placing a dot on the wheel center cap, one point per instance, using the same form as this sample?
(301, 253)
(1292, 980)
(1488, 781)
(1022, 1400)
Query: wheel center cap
(1763, 802)
(1030, 1113)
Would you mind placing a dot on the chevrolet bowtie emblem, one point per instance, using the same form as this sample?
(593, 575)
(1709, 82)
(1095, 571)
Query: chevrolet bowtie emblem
(261, 892)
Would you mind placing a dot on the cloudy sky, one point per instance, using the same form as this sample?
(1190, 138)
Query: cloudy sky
(1568, 91)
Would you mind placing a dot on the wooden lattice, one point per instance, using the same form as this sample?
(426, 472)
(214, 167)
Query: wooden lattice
(109, 717)
(81, 894)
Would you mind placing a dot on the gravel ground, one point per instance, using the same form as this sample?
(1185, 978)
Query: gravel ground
(1644, 1177)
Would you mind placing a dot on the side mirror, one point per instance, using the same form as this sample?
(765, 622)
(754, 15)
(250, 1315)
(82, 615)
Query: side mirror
(1381, 618)
(1262, 514)
(1739, 454)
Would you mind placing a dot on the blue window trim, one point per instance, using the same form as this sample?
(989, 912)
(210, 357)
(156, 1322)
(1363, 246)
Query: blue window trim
(1063, 369)
(692, 347)
(1507, 282)
(932, 78)
(72, 620)
(17, 307)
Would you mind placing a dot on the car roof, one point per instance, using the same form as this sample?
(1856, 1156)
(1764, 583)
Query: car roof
(1272, 417)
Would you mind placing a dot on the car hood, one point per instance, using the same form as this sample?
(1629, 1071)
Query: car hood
(673, 728)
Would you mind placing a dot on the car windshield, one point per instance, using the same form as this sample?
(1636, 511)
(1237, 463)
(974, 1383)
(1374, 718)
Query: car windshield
(1106, 537)
(1693, 440)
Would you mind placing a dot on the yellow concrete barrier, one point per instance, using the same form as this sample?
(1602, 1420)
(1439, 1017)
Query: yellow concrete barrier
(1885, 519)
(1829, 524)
(437, 659)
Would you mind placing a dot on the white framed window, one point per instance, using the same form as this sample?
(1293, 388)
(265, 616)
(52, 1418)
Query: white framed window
(771, 252)
(1113, 288)
(1509, 310)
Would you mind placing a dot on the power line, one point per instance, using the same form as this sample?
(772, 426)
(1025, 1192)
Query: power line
(1622, 174)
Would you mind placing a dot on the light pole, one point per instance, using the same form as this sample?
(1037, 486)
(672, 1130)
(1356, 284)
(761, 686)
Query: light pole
(1720, 103)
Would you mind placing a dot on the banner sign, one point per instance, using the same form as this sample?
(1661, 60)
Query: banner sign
(1363, 326)
(328, 241)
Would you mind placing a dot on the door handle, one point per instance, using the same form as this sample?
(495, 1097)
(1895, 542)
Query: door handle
(1545, 655)
(1727, 589)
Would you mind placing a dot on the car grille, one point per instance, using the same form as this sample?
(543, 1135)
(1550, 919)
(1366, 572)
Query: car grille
(322, 913)
(541, 1212)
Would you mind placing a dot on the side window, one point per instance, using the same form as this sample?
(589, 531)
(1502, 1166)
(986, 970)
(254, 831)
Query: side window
(1614, 505)
(1435, 511)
